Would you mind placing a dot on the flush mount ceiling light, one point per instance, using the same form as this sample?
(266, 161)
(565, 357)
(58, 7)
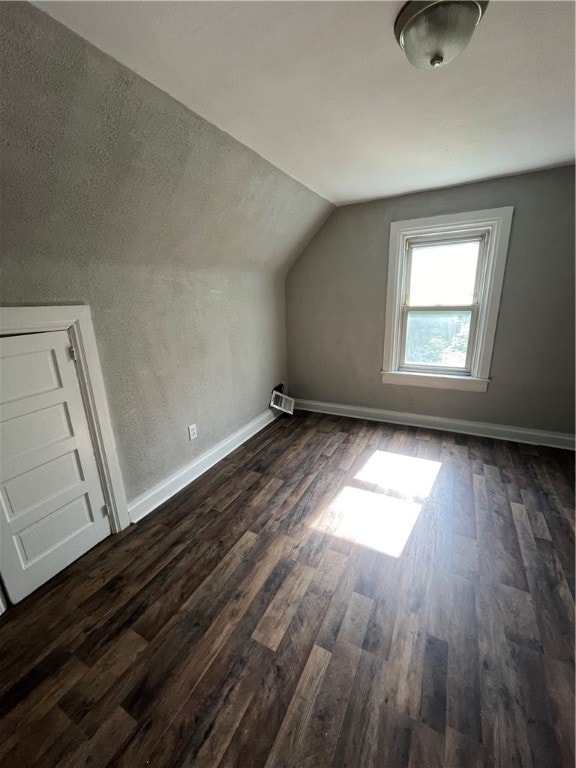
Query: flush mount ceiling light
(432, 34)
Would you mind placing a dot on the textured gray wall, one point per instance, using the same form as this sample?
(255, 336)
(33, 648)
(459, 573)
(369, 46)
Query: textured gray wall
(178, 237)
(337, 295)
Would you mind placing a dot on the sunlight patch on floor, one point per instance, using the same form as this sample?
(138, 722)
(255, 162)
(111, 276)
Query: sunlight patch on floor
(382, 520)
(407, 477)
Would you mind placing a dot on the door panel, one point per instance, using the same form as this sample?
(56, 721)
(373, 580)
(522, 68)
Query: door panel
(42, 484)
(51, 501)
(53, 530)
(30, 432)
(27, 375)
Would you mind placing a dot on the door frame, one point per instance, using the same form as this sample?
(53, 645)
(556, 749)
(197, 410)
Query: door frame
(77, 321)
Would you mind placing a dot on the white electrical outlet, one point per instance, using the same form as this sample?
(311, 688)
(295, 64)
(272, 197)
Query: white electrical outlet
(192, 433)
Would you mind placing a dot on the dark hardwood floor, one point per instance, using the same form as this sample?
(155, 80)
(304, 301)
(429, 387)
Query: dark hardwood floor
(262, 617)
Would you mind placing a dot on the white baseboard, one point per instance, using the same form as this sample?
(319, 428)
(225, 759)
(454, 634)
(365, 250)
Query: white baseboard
(481, 429)
(145, 503)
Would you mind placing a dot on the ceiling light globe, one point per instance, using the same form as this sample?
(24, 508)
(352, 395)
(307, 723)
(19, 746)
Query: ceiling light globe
(432, 34)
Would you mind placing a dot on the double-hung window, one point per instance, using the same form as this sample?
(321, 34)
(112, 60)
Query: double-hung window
(445, 278)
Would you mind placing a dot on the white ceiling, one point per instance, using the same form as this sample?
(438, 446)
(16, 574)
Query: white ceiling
(322, 91)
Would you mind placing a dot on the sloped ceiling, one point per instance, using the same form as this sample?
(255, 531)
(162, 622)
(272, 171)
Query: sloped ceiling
(321, 89)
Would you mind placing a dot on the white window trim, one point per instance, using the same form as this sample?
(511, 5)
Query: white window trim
(496, 223)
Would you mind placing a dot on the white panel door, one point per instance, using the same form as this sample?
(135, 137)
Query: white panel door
(51, 502)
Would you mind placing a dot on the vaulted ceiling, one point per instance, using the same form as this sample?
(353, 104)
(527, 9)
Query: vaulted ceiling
(321, 89)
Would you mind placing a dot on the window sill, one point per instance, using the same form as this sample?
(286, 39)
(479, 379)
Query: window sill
(435, 380)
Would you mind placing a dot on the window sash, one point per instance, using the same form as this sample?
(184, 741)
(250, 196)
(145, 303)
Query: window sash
(466, 370)
(473, 308)
(430, 241)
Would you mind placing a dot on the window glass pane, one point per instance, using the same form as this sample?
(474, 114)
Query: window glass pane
(443, 273)
(437, 338)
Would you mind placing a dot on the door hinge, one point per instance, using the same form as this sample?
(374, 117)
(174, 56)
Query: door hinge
(72, 353)
(106, 510)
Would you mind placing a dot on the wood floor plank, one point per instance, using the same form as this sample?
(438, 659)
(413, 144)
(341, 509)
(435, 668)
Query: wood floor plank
(296, 720)
(307, 512)
(358, 741)
(129, 582)
(319, 739)
(560, 689)
(164, 707)
(553, 616)
(439, 608)
(559, 599)
(535, 515)
(23, 655)
(329, 573)
(225, 726)
(463, 496)
(101, 748)
(217, 570)
(519, 616)
(464, 701)
(207, 723)
(124, 613)
(507, 559)
(462, 751)
(35, 736)
(29, 684)
(234, 627)
(44, 697)
(276, 686)
(434, 682)
(274, 623)
(530, 671)
(62, 748)
(504, 725)
(464, 556)
(355, 621)
(426, 747)
(379, 633)
(405, 664)
(78, 701)
(394, 738)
